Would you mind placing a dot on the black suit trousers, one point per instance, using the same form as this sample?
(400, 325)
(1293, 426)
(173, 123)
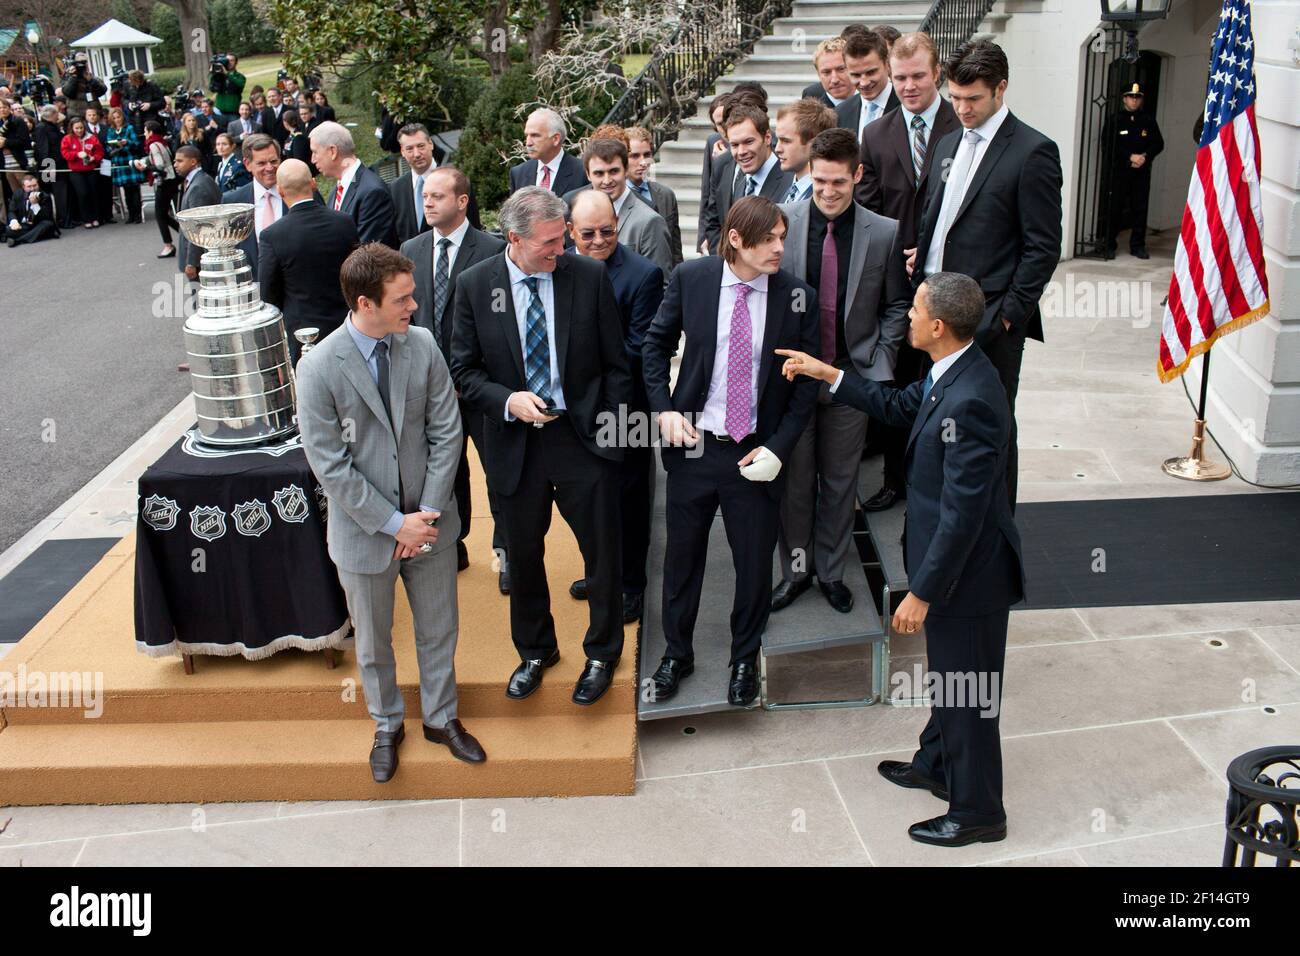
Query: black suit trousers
(558, 469)
(472, 425)
(961, 746)
(1006, 350)
(696, 488)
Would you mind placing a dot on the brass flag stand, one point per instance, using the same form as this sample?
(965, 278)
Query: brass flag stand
(1194, 467)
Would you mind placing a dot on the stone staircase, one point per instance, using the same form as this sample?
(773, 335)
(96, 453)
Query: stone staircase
(782, 62)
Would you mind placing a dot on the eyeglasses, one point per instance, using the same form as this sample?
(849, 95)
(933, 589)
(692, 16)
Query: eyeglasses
(589, 234)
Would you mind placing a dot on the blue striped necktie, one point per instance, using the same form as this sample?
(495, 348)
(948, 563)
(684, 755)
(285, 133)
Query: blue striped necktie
(537, 351)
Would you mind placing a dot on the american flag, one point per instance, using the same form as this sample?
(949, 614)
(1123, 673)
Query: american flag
(1219, 285)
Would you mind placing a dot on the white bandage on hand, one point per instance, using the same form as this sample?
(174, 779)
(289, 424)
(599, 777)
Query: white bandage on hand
(764, 467)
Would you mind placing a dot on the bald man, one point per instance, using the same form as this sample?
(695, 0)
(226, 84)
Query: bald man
(299, 256)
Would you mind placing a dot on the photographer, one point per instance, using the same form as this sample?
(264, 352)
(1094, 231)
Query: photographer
(15, 140)
(227, 83)
(47, 143)
(81, 87)
(144, 100)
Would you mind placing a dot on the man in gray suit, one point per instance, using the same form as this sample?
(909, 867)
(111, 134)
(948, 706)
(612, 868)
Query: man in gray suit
(641, 156)
(752, 169)
(197, 189)
(854, 259)
(380, 426)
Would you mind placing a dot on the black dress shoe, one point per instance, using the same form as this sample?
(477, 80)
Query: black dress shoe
(838, 595)
(462, 556)
(1141, 254)
(595, 680)
(783, 594)
(633, 607)
(578, 589)
(503, 578)
(383, 754)
(945, 831)
(669, 675)
(458, 740)
(904, 775)
(744, 685)
(882, 500)
(528, 676)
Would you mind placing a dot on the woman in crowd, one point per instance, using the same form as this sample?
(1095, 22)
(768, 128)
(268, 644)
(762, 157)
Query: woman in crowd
(15, 140)
(231, 173)
(324, 112)
(84, 153)
(297, 146)
(157, 162)
(122, 145)
(191, 134)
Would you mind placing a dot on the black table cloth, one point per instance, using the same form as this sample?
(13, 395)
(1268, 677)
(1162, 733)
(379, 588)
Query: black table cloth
(230, 554)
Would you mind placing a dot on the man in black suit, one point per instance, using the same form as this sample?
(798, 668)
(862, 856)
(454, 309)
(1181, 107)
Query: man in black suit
(407, 190)
(897, 163)
(31, 214)
(727, 427)
(752, 169)
(359, 191)
(641, 157)
(441, 253)
(867, 57)
(272, 114)
(996, 215)
(833, 86)
(797, 125)
(549, 166)
(537, 348)
(261, 158)
(638, 289)
(197, 189)
(298, 253)
(962, 555)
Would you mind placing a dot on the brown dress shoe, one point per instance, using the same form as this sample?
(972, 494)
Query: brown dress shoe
(459, 741)
(383, 753)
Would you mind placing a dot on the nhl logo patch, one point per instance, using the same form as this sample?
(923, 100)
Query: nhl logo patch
(208, 522)
(160, 513)
(251, 518)
(291, 502)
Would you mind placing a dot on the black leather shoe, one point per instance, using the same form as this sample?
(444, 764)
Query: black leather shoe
(633, 607)
(783, 594)
(528, 676)
(503, 578)
(462, 556)
(838, 595)
(903, 775)
(595, 680)
(458, 740)
(744, 685)
(383, 754)
(578, 589)
(945, 831)
(882, 500)
(1141, 254)
(669, 675)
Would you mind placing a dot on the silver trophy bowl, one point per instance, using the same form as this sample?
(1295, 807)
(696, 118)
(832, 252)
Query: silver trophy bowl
(238, 352)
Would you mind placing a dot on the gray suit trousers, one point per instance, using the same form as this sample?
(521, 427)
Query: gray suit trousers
(816, 528)
(430, 581)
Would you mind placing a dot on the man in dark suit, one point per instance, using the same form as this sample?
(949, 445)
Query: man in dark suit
(549, 166)
(641, 157)
(797, 125)
(962, 553)
(853, 258)
(359, 191)
(261, 158)
(441, 253)
(833, 86)
(638, 289)
(537, 348)
(245, 124)
(867, 57)
(407, 190)
(996, 215)
(197, 189)
(727, 428)
(31, 214)
(271, 116)
(752, 169)
(897, 163)
(307, 243)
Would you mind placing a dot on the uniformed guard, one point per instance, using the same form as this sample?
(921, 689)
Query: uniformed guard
(1136, 141)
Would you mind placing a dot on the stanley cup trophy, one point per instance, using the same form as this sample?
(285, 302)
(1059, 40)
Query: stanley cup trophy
(239, 356)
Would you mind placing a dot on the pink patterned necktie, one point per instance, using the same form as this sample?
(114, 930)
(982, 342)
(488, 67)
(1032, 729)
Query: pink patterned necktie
(740, 367)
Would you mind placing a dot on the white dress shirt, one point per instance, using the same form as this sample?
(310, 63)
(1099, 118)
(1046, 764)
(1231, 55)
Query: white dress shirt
(713, 418)
(522, 296)
(457, 236)
(865, 117)
(554, 166)
(260, 193)
(349, 174)
(952, 197)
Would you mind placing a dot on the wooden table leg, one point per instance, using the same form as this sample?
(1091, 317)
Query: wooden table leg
(189, 663)
(331, 660)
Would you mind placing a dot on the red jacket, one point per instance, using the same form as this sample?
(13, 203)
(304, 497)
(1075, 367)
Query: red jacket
(71, 146)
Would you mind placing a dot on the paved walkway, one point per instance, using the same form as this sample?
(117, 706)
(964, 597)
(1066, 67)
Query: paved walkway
(1118, 723)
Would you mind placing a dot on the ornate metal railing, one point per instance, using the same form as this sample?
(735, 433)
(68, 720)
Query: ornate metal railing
(950, 23)
(706, 42)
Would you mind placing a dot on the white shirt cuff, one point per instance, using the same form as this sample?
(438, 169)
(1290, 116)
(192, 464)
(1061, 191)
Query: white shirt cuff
(838, 378)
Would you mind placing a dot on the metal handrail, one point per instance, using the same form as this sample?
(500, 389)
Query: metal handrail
(950, 23)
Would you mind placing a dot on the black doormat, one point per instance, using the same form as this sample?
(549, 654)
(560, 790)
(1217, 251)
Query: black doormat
(29, 591)
(1190, 550)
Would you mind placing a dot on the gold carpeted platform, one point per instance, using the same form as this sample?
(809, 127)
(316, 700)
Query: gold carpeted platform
(288, 727)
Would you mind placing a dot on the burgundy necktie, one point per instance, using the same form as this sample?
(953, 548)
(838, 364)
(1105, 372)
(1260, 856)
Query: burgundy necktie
(826, 288)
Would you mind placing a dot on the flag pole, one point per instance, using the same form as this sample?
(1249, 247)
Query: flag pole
(1194, 467)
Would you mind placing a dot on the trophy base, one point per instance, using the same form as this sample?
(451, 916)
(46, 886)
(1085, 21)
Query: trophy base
(1194, 467)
